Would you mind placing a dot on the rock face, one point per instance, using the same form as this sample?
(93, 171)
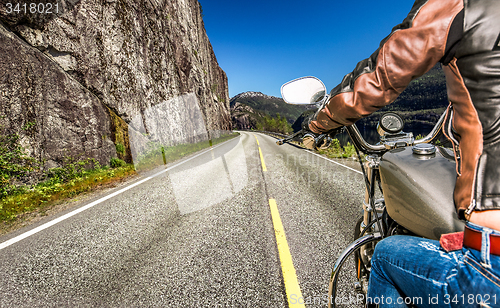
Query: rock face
(71, 81)
(244, 116)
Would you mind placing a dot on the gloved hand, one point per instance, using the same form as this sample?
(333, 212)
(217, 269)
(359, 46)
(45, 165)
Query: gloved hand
(317, 141)
(309, 138)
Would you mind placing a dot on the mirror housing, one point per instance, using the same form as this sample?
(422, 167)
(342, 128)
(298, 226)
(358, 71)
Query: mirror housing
(303, 91)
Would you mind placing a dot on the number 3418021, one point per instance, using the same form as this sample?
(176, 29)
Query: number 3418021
(32, 8)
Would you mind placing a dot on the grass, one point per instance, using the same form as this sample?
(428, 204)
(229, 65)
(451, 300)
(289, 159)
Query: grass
(53, 190)
(337, 151)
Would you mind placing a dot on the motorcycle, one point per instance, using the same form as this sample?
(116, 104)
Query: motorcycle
(408, 190)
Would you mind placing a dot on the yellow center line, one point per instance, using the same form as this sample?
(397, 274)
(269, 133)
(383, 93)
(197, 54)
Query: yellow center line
(257, 140)
(293, 293)
(264, 168)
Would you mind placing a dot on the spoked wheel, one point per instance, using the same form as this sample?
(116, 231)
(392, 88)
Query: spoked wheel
(349, 280)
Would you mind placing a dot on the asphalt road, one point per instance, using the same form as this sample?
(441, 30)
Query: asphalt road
(198, 234)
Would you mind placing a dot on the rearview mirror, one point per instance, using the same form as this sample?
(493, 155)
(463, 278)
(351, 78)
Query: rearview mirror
(303, 91)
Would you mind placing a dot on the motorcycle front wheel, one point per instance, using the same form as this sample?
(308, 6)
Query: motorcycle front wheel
(349, 280)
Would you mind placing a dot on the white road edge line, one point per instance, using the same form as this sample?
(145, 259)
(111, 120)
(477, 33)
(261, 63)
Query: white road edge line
(357, 171)
(88, 206)
(337, 163)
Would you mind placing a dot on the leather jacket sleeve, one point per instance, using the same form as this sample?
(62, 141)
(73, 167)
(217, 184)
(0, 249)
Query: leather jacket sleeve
(412, 48)
(465, 37)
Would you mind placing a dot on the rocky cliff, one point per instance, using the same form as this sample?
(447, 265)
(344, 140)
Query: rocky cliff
(75, 80)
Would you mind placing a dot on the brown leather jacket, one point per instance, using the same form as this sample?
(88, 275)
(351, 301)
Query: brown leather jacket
(464, 35)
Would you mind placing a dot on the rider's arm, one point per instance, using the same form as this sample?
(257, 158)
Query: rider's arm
(423, 39)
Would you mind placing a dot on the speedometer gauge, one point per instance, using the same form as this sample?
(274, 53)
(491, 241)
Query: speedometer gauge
(390, 123)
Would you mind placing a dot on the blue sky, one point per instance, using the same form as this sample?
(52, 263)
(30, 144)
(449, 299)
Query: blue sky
(262, 44)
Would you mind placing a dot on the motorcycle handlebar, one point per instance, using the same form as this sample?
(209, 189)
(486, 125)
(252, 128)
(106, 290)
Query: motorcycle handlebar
(367, 148)
(282, 141)
(435, 131)
(361, 143)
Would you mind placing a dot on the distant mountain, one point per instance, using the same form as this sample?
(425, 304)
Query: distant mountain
(248, 107)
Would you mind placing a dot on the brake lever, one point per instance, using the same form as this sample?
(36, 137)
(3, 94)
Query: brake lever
(287, 139)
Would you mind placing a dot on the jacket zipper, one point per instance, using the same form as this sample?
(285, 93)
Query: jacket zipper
(448, 132)
(471, 207)
(478, 185)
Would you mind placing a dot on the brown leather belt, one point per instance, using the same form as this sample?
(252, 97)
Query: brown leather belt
(473, 239)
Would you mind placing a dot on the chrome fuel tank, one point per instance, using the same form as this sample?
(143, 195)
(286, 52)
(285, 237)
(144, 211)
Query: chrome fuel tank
(418, 190)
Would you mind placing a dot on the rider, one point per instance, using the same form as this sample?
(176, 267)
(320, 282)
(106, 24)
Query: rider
(464, 36)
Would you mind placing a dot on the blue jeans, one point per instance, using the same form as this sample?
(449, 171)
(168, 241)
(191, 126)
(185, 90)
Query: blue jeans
(410, 270)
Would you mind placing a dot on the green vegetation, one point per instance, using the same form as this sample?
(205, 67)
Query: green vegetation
(120, 136)
(117, 163)
(120, 148)
(275, 125)
(337, 151)
(25, 185)
(15, 165)
(74, 178)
